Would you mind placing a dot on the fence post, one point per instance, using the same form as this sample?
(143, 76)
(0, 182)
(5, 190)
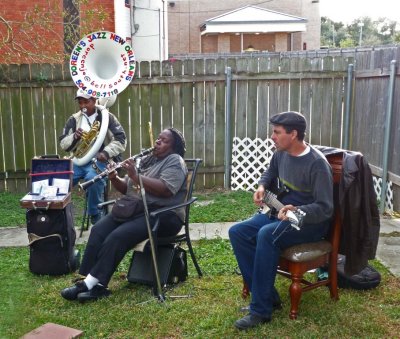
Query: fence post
(227, 162)
(386, 134)
(349, 96)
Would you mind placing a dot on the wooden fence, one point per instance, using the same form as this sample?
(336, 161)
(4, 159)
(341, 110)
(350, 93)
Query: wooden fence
(190, 94)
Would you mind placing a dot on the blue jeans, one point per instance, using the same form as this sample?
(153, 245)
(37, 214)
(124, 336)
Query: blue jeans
(257, 244)
(95, 191)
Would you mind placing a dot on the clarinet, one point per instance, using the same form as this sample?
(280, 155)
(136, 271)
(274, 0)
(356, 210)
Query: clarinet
(85, 185)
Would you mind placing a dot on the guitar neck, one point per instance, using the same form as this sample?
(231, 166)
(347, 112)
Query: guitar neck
(271, 199)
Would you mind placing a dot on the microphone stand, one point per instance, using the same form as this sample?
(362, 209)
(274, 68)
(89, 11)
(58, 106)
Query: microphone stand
(158, 288)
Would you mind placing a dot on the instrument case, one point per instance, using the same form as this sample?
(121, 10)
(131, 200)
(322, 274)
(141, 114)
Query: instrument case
(51, 171)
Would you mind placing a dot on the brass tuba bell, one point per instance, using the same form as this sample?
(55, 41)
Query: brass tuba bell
(102, 64)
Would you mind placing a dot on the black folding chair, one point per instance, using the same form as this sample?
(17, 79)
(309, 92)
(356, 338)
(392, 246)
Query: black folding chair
(184, 236)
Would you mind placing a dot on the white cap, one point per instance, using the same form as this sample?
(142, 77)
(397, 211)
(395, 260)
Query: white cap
(82, 94)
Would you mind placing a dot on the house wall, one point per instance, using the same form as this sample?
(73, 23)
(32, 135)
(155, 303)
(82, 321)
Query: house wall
(281, 42)
(186, 17)
(150, 40)
(225, 43)
(210, 44)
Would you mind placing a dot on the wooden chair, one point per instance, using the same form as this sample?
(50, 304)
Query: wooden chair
(295, 261)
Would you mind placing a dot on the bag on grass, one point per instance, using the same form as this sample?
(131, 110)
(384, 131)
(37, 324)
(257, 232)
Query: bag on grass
(366, 279)
(52, 237)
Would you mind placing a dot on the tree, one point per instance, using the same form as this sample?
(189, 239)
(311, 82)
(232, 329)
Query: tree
(364, 30)
(46, 33)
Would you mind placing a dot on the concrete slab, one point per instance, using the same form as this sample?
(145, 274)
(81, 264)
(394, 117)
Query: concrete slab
(388, 253)
(389, 225)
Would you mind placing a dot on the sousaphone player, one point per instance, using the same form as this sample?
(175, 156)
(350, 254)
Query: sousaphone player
(80, 131)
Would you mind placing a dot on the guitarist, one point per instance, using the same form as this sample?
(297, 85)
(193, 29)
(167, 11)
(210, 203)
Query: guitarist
(258, 241)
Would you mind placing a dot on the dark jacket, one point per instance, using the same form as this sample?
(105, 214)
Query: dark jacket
(359, 211)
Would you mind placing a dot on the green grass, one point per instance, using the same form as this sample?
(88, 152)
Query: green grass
(10, 212)
(28, 300)
(222, 206)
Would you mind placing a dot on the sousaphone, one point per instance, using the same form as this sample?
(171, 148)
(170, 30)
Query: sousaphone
(102, 65)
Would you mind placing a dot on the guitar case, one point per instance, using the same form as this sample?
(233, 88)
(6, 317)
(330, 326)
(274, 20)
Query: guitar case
(366, 279)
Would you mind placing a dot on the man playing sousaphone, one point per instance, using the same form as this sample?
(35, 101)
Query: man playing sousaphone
(75, 135)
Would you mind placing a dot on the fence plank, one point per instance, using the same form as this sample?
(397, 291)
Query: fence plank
(49, 121)
(316, 113)
(294, 98)
(146, 116)
(177, 105)
(263, 110)
(18, 129)
(336, 112)
(219, 130)
(251, 116)
(209, 132)
(307, 94)
(198, 126)
(241, 106)
(326, 117)
(5, 133)
(188, 128)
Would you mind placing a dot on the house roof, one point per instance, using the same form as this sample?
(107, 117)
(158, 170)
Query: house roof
(253, 19)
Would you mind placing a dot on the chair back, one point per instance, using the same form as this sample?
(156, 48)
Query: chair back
(336, 162)
(192, 167)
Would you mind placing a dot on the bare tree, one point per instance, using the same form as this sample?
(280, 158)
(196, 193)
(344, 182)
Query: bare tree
(47, 34)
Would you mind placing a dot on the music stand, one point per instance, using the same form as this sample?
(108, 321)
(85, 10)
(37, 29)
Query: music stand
(158, 288)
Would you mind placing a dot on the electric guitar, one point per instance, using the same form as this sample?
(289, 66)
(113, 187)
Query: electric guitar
(271, 201)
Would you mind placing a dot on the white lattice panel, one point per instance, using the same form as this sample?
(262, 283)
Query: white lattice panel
(389, 193)
(250, 157)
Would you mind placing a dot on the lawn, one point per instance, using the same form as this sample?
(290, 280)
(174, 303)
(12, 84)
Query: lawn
(212, 306)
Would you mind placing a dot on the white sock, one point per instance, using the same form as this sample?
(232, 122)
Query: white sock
(91, 281)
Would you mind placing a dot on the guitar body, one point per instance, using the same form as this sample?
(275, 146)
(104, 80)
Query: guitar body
(272, 205)
(268, 208)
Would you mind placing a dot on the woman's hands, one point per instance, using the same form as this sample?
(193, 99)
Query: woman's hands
(112, 172)
(130, 168)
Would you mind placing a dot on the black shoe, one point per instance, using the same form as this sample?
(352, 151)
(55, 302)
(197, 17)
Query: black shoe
(71, 293)
(97, 292)
(250, 321)
(275, 307)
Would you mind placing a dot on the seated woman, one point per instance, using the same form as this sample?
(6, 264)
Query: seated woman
(163, 176)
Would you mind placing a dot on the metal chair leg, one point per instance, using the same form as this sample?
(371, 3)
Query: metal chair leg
(85, 217)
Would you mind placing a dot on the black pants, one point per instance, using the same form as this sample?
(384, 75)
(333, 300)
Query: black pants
(110, 240)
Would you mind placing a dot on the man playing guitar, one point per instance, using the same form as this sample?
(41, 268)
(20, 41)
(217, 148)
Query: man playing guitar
(258, 241)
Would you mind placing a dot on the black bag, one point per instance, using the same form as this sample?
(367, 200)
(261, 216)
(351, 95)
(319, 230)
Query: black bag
(172, 265)
(52, 237)
(126, 207)
(368, 278)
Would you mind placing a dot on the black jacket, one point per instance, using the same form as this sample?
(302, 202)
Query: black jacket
(359, 211)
